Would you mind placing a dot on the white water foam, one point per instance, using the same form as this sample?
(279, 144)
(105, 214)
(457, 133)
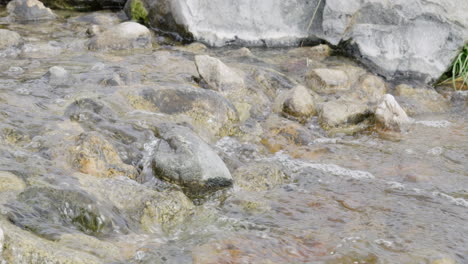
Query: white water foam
(434, 123)
(297, 165)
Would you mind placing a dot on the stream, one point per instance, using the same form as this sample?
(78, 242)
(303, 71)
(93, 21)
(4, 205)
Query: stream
(327, 198)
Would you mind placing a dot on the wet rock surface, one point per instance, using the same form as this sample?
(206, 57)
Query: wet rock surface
(127, 35)
(181, 156)
(181, 153)
(29, 10)
(373, 32)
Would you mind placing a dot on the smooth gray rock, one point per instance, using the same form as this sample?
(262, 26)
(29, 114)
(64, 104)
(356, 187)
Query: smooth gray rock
(127, 35)
(184, 158)
(401, 38)
(9, 39)
(29, 10)
(390, 115)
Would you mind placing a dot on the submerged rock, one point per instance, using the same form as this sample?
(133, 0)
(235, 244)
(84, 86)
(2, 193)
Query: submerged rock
(416, 39)
(21, 246)
(9, 39)
(155, 211)
(127, 35)
(259, 176)
(29, 10)
(58, 76)
(420, 100)
(390, 115)
(205, 108)
(96, 156)
(50, 212)
(10, 182)
(182, 157)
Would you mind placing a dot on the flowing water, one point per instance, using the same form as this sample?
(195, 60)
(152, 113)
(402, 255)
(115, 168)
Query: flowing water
(349, 199)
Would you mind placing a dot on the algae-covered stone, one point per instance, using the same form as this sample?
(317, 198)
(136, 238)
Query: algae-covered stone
(259, 176)
(171, 209)
(206, 109)
(10, 182)
(96, 156)
(50, 212)
(23, 247)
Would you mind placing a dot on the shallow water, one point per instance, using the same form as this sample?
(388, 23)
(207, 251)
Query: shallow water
(350, 199)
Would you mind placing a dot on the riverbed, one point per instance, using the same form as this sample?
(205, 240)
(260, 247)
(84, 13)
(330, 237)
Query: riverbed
(365, 197)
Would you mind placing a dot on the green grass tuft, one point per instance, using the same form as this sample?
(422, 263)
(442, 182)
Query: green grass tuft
(139, 12)
(458, 72)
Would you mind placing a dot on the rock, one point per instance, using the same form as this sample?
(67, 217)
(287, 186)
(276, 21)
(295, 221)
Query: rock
(182, 157)
(50, 212)
(384, 35)
(318, 52)
(21, 246)
(85, 5)
(342, 114)
(207, 109)
(91, 245)
(29, 10)
(93, 31)
(371, 88)
(333, 80)
(99, 19)
(96, 156)
(420, 100)
(283, 134)
(444, 261)
(377, 32)
(217, 75)
(58, 76)
(10, 182)
(127, 35)
(115, 80)
(167, 212)
(390, 115)
(9, 39)
(259, 176)
(154, 210)
(299, 103)
(459, 98)
(41, 50)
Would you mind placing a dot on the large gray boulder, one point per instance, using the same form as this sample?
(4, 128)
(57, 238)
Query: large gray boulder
(401, 38)
(29, 10)
(184, 158)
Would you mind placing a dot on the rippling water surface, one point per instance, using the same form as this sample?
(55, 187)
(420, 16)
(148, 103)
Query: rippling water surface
(349, 199)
